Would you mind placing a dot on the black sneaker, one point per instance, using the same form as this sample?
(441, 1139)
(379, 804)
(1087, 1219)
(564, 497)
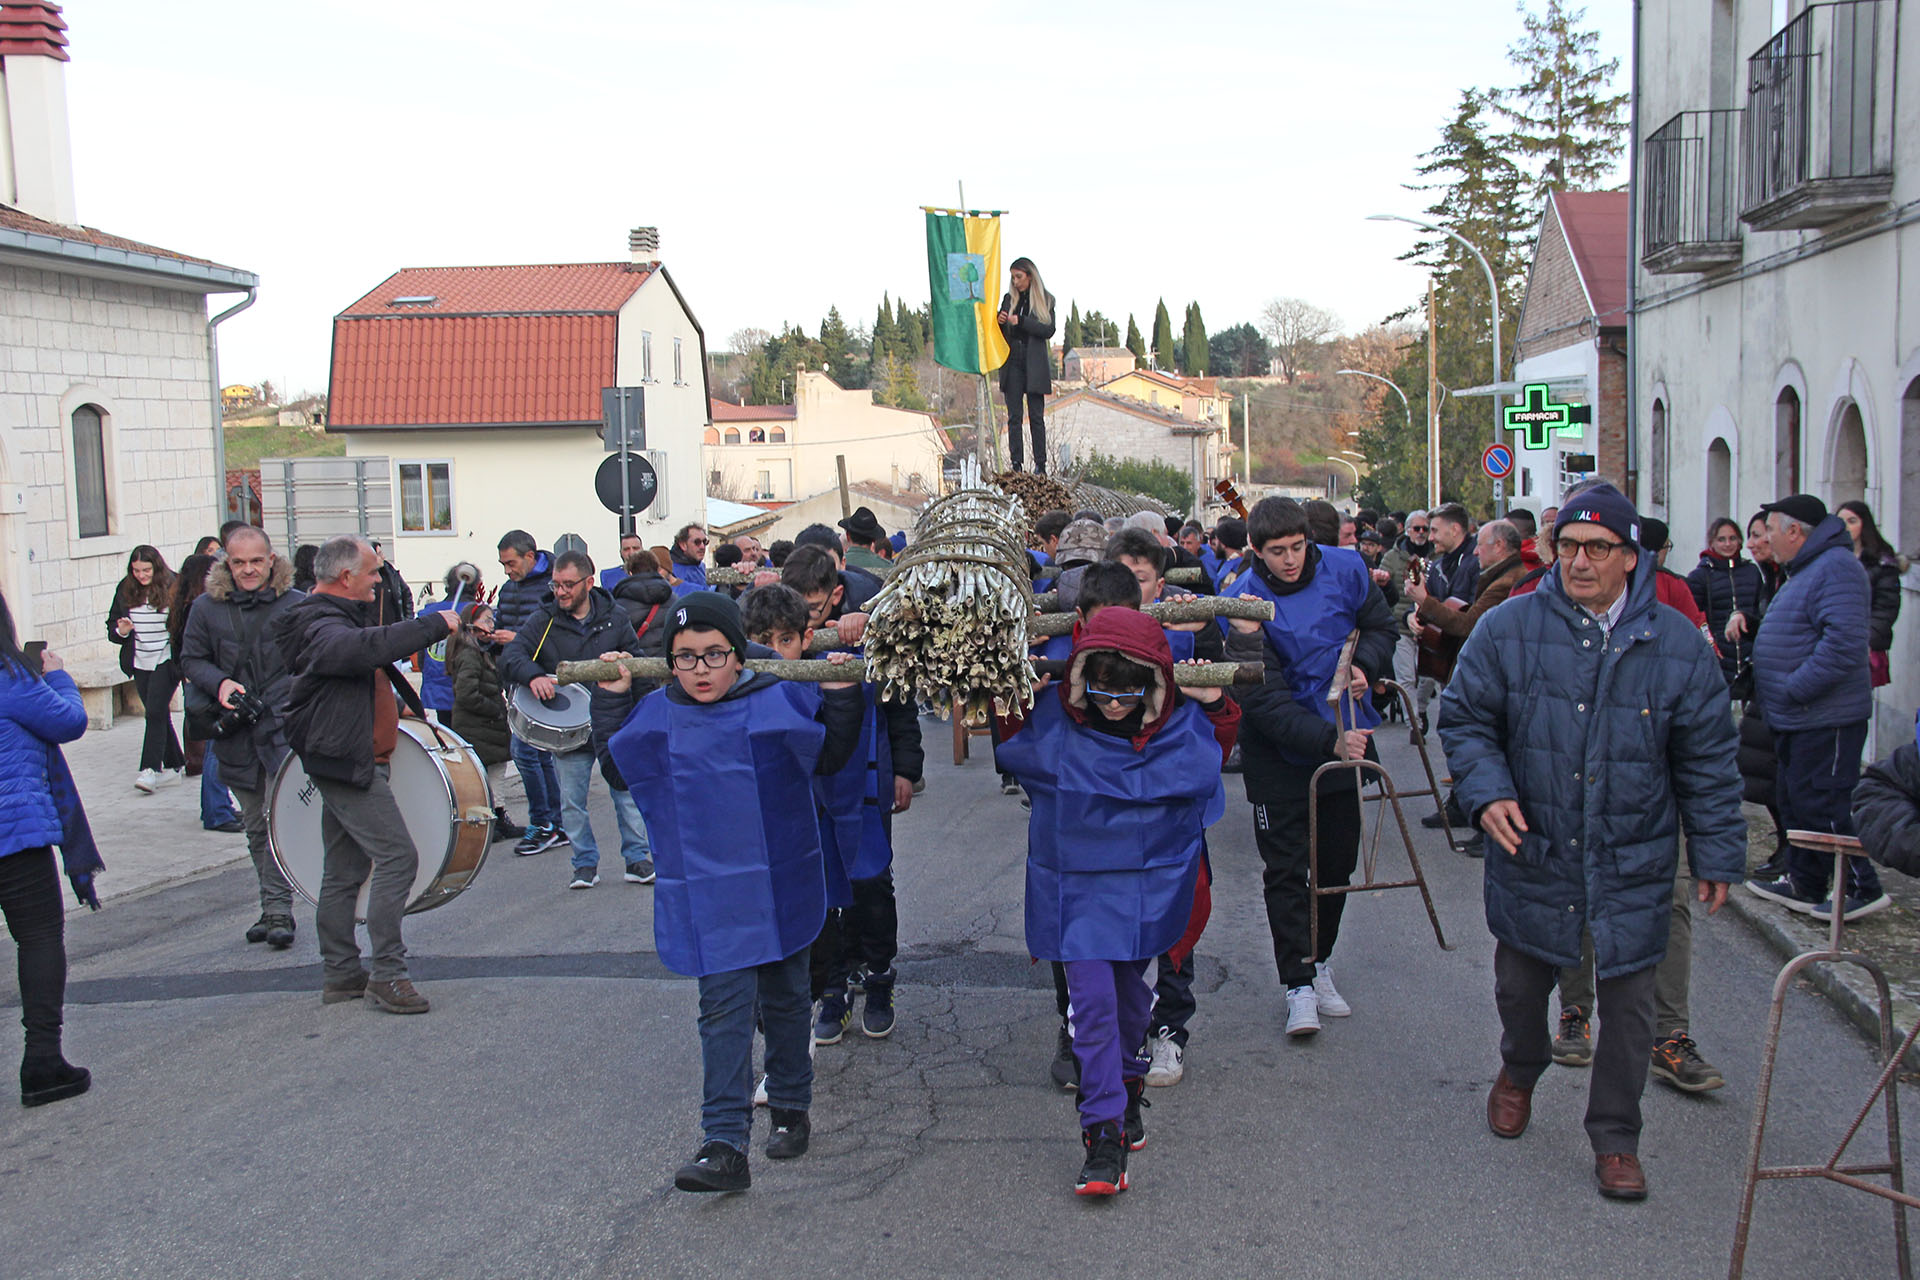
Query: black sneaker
(1105, 1171)
(1573, 1045)
(584, 878)
(790, 1132)
(1677, 1062)
(257, 931)
(1008, 787)
(279, 932)
(505, 828)
(537, 840)
(1859, 905)
(640, 872)
(719, 1166)
(1783, 892)
(836, 1011)
(1066, 1067)
(1135, 1125)
(876, 1013)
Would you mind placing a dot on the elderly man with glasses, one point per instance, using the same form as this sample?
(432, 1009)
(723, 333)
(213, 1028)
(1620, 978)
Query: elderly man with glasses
(1584, 729)
(577, 622)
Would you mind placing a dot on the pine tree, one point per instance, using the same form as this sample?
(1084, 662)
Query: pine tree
(885, 337)
(1135, 343)
(1073, 335)
(1562, 117)
(1163, 349)
(1193, 343)
(913, 341)
(839, 347)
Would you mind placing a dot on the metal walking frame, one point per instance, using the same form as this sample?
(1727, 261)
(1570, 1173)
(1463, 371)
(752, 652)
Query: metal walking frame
(1884, 1089)
(1338, 697)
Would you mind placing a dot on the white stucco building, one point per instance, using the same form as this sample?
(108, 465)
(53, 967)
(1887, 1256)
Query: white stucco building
(1778, 325)
(789, 452)
(108, 411)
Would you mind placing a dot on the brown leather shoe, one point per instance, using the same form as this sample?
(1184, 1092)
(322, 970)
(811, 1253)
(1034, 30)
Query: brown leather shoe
(1509, 1107)
(1620, 1176)
(345, 990)
(397, 996)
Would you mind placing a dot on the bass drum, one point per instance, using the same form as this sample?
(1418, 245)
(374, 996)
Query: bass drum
(441, 788)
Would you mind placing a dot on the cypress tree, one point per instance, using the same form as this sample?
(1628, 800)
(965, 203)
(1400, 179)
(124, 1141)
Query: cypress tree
(1136, 343)
(1073, 335)
(1193, 343)
(885, 337)
(1163, 349)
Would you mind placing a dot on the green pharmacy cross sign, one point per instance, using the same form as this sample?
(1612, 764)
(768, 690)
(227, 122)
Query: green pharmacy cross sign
(1539, 417)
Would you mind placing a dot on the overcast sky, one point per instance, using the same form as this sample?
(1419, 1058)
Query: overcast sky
(1221, 152)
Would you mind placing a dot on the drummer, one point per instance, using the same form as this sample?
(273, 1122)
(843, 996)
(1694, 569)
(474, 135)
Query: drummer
(343, 721)
(579, 621)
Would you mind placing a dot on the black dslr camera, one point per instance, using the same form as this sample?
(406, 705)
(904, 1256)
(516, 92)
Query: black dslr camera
(240, 717)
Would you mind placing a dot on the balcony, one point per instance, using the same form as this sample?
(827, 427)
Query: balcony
(1816, 140)
(1690, 210)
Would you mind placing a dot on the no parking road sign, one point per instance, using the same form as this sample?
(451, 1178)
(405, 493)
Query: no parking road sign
(1497, 461)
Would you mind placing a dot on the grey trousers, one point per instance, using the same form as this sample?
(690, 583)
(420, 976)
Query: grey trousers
(1671, 977)
(1521, 985)
(364, 832)
(276, 895)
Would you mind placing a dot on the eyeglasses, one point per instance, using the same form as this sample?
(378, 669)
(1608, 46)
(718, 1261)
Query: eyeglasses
(712, 659)
(1117, 698)
(566, 584)
(1416, 528)
(697, 542)
(1597, 549)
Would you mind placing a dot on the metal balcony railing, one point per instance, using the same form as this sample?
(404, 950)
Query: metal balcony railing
(1817, 129)
(1690, 214)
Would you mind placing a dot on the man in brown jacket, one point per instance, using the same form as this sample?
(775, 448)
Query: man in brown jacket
(1498, 551)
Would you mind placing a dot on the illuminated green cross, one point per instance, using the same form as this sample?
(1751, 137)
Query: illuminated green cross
(1539, 417)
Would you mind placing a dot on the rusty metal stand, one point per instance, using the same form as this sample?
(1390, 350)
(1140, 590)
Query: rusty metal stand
(1885, 1089)
(1364, 770)
(1393, 689)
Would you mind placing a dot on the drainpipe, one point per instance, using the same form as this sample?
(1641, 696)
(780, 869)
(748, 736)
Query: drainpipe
(1633, 276)
(219, 417)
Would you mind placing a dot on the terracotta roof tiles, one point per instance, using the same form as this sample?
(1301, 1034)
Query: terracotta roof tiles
(15, 220)
(1595, 225)
(31, 28)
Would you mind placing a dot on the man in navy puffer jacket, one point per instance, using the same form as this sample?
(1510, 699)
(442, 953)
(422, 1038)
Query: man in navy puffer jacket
(1586, 723)
(1811, 677)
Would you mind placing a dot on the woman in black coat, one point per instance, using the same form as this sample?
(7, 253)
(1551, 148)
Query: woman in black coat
(1026, 319)
(1884, 566)
(479, 705)
(1725, 583)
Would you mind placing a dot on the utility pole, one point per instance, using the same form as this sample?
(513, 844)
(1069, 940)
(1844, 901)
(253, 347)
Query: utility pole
(1246, 437)
(1433, 410)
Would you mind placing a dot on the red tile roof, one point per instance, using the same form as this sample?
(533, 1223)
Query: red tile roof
(519, 345)
(14, 220)
(30, 28)
(1595, 224)
(727, 411)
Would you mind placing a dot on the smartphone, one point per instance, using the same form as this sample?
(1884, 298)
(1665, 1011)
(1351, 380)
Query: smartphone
(36, 651)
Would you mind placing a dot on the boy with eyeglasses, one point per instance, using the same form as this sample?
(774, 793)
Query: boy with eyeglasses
(742, 888)
(1123, 768)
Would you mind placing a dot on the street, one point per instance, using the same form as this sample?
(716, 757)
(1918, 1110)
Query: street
(529, 1126)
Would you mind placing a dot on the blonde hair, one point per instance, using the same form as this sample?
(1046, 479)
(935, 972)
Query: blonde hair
(1037, 299)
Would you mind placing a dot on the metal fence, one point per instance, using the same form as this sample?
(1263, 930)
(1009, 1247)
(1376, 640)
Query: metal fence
(1812, 97)
(1688, 169)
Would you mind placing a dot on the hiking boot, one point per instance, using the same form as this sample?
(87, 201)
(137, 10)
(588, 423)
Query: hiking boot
(1066, 1068)
(1783, 892)
(505, 828)
(257, 931)
(876, 1014)
(537, 840)
(836, 1011)
(1303, 1011)
(640, 872)
(790, 1132)
(1134, 1126)
(345, 990)
(1858, 905)
(1331, 1002)
(397, 996)
(1105, 1170)
(718, 1166)
(1677, 1062)
(1573, 1043)
(279, 932)
(49, 1079)
(1167, 1059)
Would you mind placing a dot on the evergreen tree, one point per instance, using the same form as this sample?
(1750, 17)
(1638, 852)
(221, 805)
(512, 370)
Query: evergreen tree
(1193, 343)
(913, 340)
(896, 384)
(1163, 349)
(1562, 117)
(886, 336)
(1135, 343)
(838, 345)
(1072, 336)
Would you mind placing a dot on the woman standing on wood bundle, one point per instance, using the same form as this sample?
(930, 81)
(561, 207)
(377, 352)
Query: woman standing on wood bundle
(137, 622)
(1026, 318)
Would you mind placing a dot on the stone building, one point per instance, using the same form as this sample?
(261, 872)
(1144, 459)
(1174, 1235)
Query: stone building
(1088, 421)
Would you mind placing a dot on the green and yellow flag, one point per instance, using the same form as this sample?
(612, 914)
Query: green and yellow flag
(963, 272)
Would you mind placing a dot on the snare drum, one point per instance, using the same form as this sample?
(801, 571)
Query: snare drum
(441, 788)
(562, 725)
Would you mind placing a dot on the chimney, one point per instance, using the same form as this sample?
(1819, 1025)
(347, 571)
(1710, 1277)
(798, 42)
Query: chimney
(643, 243)
(36, 154)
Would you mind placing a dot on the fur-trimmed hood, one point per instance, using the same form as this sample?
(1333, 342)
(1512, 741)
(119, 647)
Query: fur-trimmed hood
(279, 580)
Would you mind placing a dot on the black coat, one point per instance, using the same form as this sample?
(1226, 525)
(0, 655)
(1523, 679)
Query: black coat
(1722, 588)
(1886, 810)
(1884, 577)
(479, 705)
(1029, 366)
(644, 598)
(210, 653)
(1758, 764)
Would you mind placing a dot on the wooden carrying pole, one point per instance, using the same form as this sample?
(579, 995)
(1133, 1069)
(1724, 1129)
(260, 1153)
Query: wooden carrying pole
(1194, 675)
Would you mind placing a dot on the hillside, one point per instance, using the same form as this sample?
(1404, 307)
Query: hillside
(249, 440)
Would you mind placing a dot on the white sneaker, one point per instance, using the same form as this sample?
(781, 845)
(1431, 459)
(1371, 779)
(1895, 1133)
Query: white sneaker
(1331, 1002)
(760, 1093)
(1169, 1059)
(1303, 1011)
(145, 781)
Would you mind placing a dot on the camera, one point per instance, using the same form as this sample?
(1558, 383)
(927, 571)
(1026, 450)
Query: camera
(240, 717)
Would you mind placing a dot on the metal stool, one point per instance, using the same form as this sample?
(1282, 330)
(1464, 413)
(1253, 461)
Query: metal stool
(1893, 1168)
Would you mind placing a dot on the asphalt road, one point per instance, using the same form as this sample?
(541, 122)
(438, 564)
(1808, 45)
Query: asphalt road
(529, 1125)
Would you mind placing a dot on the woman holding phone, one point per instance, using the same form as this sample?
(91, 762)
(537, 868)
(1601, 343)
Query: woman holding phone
(1026, 318)
(137, 622)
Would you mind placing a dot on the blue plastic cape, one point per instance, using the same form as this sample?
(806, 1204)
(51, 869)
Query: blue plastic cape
(853, 807)
(1115, 840)
(725, 791)
(1310, 627)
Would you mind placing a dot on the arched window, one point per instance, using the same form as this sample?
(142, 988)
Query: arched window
(1720, 480)
(1786, 443)
(90, 471)
(733, 435)
(710, 436)
(779, 435)
(1908, 537)
(756, 435)
(1657, 455)
(1849, 456)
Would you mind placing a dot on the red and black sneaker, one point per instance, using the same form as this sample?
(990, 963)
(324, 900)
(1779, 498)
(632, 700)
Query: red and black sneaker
(1134, 1126)
(1105, 1172)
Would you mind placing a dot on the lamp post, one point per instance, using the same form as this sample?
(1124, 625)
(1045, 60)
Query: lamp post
(1433, 461)
(1493, 300)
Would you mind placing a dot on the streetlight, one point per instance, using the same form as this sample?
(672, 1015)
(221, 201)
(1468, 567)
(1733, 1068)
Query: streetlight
(1493, 299)
(1334, 457)
(1433, 460)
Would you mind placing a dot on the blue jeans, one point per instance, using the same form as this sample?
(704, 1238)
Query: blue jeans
(727, 1003)
(542, 784)
(576, 770)
(216, 806)
(634, 845)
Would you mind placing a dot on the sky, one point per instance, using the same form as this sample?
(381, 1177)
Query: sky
(1224, 153)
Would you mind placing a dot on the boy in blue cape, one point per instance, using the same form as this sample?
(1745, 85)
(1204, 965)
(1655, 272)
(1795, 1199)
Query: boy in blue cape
(1124, 774)
(742, 888)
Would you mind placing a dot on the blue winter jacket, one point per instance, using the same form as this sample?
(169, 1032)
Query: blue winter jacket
(35, 716)
(1810, 653)
(1609, 744)
(517, 601)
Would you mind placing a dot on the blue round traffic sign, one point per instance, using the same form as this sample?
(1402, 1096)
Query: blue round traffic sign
(1497, 461)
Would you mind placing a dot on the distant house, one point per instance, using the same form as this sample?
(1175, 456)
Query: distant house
(1095, 365)
(238, 396)
(895, 509)
(108, 438)
(1195, 399)
(787, 452)
(480, 388)
(1091, 421)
